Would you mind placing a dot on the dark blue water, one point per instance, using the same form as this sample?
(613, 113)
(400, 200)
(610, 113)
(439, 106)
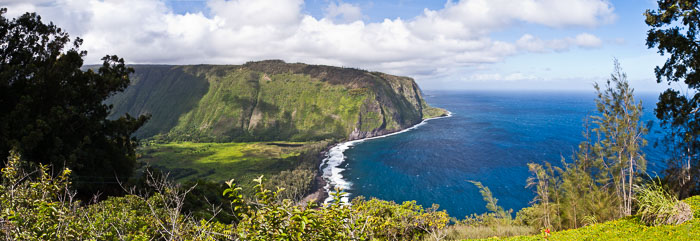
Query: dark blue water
(490, 138)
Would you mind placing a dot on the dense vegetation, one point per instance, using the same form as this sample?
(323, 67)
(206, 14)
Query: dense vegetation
(629, 228)
(37, 206)
(599, 183)
(674, 31)
(285, 162)
(53, 112)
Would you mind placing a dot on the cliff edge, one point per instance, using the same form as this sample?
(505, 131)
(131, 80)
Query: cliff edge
(269, 101)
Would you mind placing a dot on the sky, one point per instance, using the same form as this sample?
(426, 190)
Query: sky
(454, 44)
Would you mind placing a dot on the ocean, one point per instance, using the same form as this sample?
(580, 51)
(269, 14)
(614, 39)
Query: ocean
(490, 137)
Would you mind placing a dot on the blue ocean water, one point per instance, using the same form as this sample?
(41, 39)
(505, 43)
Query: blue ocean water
(490, 138)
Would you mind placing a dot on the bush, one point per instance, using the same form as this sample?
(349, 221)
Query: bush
(263, 217)
(462, 231)
(657, 206)
(296, 183)
(36, 206)
(497, 222)
(390, 221)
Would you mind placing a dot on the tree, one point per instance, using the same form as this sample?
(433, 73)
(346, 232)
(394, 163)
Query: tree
(52, 111)
(621, 131)
(598, 185)
(674, 30)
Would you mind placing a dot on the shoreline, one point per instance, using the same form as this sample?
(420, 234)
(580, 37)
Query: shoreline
(328, 175)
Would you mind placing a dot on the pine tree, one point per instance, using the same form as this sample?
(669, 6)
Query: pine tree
(598, 185)
(619, 125)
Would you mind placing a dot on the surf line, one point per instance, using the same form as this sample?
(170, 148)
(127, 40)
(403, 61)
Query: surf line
(335, 157)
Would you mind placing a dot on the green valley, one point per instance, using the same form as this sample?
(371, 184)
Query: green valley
(269, 101)
(218, 162)
(217, 122)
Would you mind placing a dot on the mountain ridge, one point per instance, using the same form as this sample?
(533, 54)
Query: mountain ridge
(269, 101)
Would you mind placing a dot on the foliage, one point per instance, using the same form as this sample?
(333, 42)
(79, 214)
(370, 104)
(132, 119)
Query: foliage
(497, 214)
(674, 31)
(264, 218)
(37, 206)
(296, 183)
(657, 206)
(390, 221)
(35, 210)
(629, 228)
(545, 183)
(495, 223)
(598, 184)
(53, 112)
(621, 131)
(463, 231)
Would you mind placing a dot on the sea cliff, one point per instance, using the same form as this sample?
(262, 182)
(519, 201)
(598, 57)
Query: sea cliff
(270, 101)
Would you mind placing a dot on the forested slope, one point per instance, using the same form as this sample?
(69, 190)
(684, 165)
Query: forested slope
(269, 100)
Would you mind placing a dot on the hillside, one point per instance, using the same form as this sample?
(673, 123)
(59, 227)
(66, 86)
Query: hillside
(269, 101)
(630, 228)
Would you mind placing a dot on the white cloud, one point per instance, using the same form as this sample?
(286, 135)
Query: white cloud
(431, 45)
(587, 40)
(343, 12)
(257, 13)
(533, 44)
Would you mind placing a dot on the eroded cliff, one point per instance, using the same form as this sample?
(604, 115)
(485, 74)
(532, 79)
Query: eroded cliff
(270, 100)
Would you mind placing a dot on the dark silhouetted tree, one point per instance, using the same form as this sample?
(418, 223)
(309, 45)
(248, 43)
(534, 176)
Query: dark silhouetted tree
(674, 30)
(53, 112)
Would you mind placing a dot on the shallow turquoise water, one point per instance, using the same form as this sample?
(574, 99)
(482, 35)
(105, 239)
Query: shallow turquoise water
(490, 138)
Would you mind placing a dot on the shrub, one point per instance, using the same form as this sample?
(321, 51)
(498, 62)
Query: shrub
(498, 222)
(462, 231)
(496, 214)
(657, 206)
(263, 217)
(36, 206)
(296, 183)
(390, 221)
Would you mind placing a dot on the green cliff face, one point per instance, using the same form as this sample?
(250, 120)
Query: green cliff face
(269, 100)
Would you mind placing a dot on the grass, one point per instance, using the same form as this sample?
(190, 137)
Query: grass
(657, 206)
(461, 231)
(223, 161)
(629, 228)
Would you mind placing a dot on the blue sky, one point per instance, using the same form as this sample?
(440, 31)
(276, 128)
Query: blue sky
(465, 44)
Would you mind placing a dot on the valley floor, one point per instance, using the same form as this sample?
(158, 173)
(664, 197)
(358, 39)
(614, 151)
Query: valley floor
(218, 162)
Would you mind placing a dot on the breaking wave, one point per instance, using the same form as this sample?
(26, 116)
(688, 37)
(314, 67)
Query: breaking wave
(331, 164)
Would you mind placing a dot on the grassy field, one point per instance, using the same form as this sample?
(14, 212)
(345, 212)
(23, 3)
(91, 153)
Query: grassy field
(223, 161)
(630, 228)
